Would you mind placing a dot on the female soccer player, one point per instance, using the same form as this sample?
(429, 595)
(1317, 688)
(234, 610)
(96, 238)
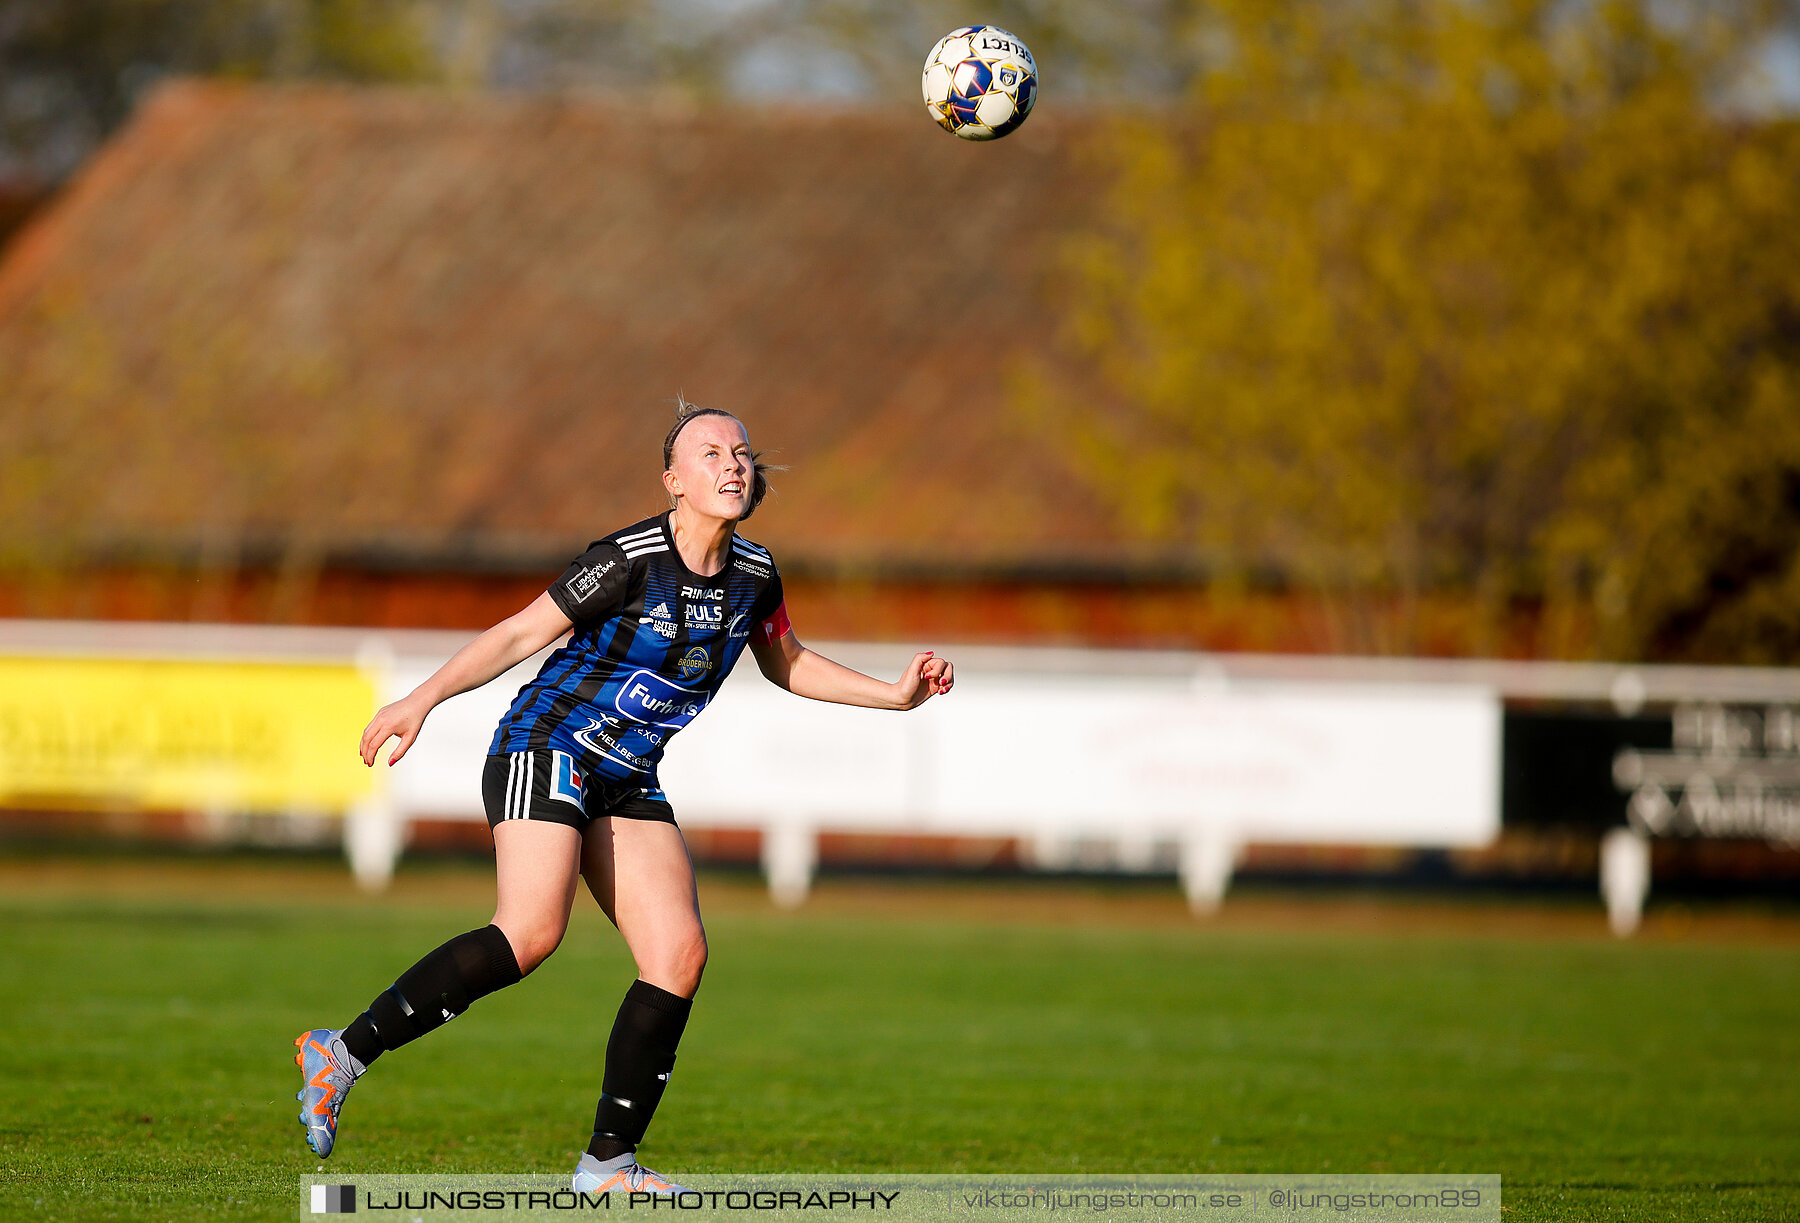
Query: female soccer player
(660, 612)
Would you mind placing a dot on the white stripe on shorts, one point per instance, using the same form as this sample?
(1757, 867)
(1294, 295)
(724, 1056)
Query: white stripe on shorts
(518, 790)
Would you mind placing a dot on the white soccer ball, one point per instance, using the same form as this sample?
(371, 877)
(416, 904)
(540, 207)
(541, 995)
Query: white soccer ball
(980, 82)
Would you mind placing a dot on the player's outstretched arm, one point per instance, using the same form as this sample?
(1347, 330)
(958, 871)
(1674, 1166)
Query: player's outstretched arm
(790, 665)
(496, 651)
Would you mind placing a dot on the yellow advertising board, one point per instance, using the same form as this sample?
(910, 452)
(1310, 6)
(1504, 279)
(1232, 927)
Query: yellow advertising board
(236, 736)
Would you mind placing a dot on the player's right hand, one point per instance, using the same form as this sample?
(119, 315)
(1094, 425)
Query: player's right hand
(400, 720)
(926, 676)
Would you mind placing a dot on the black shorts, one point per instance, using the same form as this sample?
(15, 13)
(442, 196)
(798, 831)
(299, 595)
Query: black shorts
(545, 784)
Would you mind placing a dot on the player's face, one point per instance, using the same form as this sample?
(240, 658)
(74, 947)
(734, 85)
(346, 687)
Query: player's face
(712, 467)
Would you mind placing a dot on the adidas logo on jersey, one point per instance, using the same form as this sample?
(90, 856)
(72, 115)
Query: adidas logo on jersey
(658, 618)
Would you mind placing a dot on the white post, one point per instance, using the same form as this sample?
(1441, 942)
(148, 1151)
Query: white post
(1208, 856)
(1135, 851)
(373, 831)
(790, 851)
(1624, 878)
(1049, 851)
(372, 836)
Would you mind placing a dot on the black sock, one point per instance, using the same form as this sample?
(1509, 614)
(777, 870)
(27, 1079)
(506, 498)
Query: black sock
(639, 1058)
(432, 992)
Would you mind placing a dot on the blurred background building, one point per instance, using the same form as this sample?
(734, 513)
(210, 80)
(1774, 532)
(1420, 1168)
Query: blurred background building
(1447, 330)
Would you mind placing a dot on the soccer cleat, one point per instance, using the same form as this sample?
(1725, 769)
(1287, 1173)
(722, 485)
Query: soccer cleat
(327, 1072)
(624, 1173)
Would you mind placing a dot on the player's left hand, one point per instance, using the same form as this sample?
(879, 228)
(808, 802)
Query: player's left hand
(926, 676)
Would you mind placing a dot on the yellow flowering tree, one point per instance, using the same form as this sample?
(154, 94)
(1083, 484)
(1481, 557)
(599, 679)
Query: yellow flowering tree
(1498, 299)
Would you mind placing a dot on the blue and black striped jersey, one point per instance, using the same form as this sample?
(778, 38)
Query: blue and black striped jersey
(652, 642)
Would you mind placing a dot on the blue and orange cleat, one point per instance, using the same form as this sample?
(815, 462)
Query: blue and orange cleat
(327, 1072)
(623, 1173)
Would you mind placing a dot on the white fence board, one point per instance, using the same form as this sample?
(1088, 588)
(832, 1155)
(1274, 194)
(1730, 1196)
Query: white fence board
(1053, 745)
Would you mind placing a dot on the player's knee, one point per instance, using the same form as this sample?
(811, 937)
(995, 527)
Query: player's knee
(532, 942)
(678, 965)
(694, 957)
(543, 943)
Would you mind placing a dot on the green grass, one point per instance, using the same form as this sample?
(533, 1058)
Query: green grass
(145, 1056)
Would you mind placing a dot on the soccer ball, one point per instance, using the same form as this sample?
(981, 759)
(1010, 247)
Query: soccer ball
(980, 82)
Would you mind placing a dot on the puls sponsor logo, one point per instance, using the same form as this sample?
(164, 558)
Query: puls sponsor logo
(647, 697)
(705, 615)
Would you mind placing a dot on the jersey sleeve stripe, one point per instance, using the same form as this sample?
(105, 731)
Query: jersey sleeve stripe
(749, 547)
(637, 535)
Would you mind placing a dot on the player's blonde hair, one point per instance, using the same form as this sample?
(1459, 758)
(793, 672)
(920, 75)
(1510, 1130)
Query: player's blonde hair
(685, 412)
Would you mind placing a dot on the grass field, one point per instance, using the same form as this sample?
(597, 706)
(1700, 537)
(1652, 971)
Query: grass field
(145, 1055)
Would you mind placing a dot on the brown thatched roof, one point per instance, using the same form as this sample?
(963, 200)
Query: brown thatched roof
(340, 319)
